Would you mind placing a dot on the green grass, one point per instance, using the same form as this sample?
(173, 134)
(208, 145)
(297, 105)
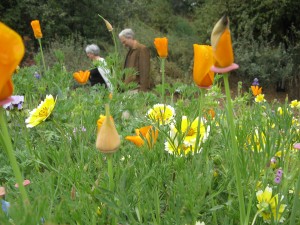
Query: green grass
(151, 186)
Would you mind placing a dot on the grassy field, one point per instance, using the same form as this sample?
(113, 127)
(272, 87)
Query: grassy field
(168, 180)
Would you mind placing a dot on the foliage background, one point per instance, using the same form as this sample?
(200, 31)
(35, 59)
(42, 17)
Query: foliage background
(265, 33)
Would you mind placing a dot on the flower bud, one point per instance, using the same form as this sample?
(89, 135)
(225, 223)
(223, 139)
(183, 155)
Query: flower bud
(108, 139)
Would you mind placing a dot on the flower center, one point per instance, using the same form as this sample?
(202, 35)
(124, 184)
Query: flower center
(43, 112)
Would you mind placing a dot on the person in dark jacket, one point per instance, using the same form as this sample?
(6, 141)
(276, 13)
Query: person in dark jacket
(138, 58)
(100, 74)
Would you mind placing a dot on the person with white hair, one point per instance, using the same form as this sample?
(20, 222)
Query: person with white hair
(138, 58)
(100, 74)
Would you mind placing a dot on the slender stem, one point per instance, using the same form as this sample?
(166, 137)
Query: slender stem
(110, 171)
(254, 219)
(163, 79)
(12, 158)
(111, 179)
(41, 48)
(296, 203)
(235, 151)
(199, 118)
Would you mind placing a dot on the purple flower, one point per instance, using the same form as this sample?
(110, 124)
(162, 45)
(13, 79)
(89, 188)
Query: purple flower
(277, 180)
(279, 173)
(17, 101)
(273, 160)
(83, 129)
(255, 82)
(37, 75)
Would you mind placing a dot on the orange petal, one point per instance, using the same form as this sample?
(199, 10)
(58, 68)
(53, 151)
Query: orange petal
(161, 45)
(256, 90)
(137, 140)
(144, 130)
(36, 27)
(221, 43)
(203, 61)
(82, 76)
(11, 53)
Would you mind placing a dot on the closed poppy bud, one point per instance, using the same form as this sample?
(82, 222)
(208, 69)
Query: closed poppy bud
(81, 76)
(221, 43)
(203, 61)
(108, 25)
(108, 139)
(161, 45)
(11, 53)
(36, 27)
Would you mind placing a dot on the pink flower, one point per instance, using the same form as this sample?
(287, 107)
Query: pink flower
(25, 183)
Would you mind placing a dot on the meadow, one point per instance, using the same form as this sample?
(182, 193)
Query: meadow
(188, 155)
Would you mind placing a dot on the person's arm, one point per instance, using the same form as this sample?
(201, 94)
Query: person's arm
(144, 69)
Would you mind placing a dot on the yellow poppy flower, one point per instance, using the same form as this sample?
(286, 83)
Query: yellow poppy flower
(295, 104)
(41, 113)
(161, 113)
(203, 61)
(161, 45)
(260, 98)
(269, 205)
(101, 120)
(11, 53)
(182, 140)
(36, 27)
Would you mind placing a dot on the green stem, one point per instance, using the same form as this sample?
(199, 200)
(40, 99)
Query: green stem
(162, 79)
(296, 202)
(12, 158)
(235, 151)
(254, 219)
(111, 179)
(110, 171)
(41, 48)
(199, 118)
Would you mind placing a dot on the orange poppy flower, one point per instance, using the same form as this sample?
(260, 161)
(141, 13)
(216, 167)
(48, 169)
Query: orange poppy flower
(203, 61)
(82, 76)
(161, 45)
(147, 133)
(11, 53)
(256, 90)
(36, 27)
(221, 43)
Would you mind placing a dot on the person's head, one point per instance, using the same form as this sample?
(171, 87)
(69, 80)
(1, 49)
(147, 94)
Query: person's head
(126, 37)
(92, 51)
